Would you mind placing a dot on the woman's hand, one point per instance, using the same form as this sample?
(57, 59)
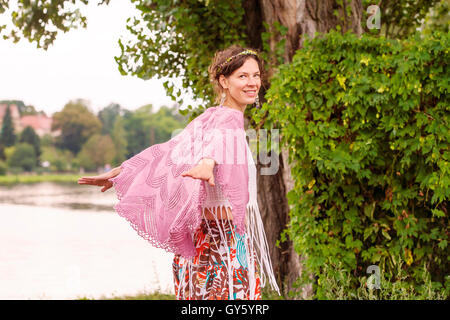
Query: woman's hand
(101, 180)
(203, 170)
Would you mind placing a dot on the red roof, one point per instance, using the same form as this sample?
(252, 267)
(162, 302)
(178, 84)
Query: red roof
(41, 123)
(38, 122)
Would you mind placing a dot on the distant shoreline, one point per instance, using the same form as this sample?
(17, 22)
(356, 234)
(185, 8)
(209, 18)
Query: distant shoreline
(50, 177)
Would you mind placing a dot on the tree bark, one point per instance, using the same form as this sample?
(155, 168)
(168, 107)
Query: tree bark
(301, 17)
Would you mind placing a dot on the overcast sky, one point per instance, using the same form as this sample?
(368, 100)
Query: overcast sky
(80, 64)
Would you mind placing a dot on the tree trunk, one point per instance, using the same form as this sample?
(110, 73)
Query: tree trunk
(301, 17)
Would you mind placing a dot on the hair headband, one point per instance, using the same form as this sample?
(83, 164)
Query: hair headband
(245, 52)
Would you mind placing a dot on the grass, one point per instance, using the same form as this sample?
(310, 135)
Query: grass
(34, 178)
(141, 296)
(267, 295)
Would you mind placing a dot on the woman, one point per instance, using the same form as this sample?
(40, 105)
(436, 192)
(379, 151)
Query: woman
(184, 197)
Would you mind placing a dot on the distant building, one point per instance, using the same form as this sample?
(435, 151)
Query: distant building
(41, 123)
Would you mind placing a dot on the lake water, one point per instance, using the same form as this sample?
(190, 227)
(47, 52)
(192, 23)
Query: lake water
(65, 241)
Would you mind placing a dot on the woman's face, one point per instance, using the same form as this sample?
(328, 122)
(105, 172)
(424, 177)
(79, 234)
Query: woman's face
(242, 86)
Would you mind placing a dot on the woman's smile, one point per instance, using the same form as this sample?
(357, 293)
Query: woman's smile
(250, 93)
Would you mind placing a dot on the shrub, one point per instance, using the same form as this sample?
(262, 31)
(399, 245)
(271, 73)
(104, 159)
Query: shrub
(3, 168)
(335, 283)
(59, 159)
(96, 152)
(23, 157)
(366, 121)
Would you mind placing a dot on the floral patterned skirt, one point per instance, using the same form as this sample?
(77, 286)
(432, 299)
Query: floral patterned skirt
(220, 267)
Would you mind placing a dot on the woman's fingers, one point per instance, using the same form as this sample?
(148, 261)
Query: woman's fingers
(83, 181)
(87, 180)
(198, 175)
(191, 173)
(95, 181)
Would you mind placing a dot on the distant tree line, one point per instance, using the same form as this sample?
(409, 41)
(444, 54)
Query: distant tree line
(87, 141)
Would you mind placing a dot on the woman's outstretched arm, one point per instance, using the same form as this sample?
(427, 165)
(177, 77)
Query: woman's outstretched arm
(101, 180)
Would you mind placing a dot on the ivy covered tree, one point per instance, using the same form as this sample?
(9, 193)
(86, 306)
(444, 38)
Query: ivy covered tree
(369, 145)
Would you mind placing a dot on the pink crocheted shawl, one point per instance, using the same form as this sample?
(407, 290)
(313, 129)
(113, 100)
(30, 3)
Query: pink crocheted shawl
(166, 208)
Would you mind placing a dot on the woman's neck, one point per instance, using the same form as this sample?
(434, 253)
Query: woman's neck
(233, 105)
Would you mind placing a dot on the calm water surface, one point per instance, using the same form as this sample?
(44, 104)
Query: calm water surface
(64, 241)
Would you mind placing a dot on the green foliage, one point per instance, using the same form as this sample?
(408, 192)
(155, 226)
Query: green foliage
(108, 116)
(184, 36)
(47, 140)
(23, 156)
(274, 57)
(40, 21)
(335, 283)
(178, 38)
(398, 19)
(3, 168)
(18, 178)
(157, 295)
(77, 123)
(129, 134)
(7, 135)
(29, 136)
(118, 136)
(438, 19)
(60, 160)
(266, 295)
(172, 38)
(165, 122)
(96, 152)
(144, 127)
(23, 109)
(137, 129)
(366, 121)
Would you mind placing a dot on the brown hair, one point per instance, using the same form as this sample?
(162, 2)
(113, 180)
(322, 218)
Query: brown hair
(227, 69)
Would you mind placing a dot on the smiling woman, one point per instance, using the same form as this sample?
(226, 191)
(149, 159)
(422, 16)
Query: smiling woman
(183, 196)
(229, 263)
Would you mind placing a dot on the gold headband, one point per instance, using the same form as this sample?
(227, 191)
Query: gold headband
(245, 52)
